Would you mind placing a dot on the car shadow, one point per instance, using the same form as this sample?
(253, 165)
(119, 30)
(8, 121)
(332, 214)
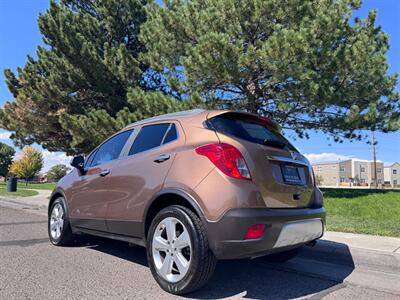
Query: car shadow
(316, 270)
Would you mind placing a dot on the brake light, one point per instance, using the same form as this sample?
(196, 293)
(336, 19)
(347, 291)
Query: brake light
(255, 232)
(226, 158)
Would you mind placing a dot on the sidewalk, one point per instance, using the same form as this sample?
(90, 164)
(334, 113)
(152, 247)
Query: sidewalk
(331, 240)
(41, 200)
(364, 241)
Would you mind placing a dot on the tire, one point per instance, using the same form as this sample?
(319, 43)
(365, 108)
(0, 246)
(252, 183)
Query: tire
(63, 236)
(201, 259)
(282, 257)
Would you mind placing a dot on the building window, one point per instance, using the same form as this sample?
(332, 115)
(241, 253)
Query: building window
(362, 169)
(379, 170)
(379, 181)
(394, 172)
(395, 182)
(342, 179)
(341, 168)
(362, 180)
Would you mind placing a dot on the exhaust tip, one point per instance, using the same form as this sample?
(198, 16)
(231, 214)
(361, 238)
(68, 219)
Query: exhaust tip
(311, 243)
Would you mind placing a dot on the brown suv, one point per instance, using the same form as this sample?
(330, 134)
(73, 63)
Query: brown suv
(192, 187)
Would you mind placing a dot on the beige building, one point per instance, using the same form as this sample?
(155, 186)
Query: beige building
(328, 172)
(392, 175)
(350, 172)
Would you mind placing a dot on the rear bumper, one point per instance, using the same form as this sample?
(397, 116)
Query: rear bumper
(284, 229)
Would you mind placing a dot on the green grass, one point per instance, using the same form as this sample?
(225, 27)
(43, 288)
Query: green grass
(38, 186)
(18, 193)
(363, 211)
(34, 186)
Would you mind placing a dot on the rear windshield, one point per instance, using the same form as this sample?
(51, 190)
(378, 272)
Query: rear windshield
(249, 129)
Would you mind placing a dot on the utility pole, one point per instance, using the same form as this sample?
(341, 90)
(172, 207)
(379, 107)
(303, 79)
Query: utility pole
(374, 151)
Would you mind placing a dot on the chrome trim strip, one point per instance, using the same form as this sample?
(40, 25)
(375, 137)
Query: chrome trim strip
(299, 232)
(287, 160)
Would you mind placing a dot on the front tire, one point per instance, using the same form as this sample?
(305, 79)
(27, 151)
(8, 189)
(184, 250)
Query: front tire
(177, 251)
(58, 225)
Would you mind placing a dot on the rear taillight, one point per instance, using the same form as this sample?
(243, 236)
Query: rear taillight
(226, 158)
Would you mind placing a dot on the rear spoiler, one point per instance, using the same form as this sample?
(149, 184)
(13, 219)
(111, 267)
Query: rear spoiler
(261, 119)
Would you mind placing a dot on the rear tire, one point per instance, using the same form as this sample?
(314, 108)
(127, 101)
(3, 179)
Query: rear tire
(58, 225)
(198, 263)
(282, 257)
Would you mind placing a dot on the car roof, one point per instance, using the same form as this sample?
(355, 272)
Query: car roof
(198, 114)
(174, 116)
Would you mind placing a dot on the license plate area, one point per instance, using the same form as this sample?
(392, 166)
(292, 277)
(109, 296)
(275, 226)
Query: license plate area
(291, 175)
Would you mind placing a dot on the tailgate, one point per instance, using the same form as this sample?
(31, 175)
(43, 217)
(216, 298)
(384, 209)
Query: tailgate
(283, 175)
(283, 181)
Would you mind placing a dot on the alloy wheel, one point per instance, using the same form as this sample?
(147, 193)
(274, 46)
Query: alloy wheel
(56, 221)
(171, 249)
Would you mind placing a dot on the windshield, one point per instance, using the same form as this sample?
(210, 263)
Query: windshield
(249, 129)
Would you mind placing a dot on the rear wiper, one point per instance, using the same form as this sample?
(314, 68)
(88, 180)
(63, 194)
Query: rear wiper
(274, 143)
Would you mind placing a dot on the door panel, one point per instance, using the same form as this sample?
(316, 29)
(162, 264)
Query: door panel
(90, 192)
(89, 199)
(134, 182)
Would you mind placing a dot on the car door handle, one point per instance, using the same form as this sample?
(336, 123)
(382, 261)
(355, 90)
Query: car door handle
(104, 173)
(162, 158)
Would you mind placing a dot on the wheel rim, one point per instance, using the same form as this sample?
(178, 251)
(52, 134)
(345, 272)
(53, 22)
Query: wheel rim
(171, 249)
(56, 221)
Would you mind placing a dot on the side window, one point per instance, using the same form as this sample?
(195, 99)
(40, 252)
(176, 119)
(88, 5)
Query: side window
(152, 136)
(111, 149)
(170, 135)
(89, 159)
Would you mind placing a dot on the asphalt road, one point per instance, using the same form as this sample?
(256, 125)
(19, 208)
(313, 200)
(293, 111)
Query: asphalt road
(31, 268)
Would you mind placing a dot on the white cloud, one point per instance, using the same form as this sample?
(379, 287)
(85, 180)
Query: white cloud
(326, 157)
(5, 135)
(54, 158)
(50, 158)
(315, 158)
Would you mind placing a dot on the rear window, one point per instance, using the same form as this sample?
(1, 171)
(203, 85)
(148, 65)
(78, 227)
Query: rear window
(249, 129)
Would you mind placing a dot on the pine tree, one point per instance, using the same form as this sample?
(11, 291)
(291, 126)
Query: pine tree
(307, 64)
(76, 92)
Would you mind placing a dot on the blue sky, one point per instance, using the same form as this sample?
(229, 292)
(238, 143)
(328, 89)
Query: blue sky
(19, 36)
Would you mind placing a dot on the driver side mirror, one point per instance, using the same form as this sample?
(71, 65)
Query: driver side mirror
(79, 163)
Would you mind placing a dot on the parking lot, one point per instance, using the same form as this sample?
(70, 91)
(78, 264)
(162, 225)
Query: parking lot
(30, 267)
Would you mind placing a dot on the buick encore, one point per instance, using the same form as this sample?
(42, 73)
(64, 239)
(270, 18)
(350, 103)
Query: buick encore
(192, 187)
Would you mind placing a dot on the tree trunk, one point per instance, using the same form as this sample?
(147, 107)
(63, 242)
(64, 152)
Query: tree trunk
(26, 181)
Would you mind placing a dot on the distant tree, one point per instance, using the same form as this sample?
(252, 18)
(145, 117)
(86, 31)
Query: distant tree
(307, 64)
(30, 163)
(356, 179)
(6, 156)
(319, 180)
(57, 172)
(88, 81)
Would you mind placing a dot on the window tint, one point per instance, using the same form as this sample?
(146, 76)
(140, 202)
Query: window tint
(250, 130)
(149, 137)
(89, 159)
(171, 134)
(111, 149)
